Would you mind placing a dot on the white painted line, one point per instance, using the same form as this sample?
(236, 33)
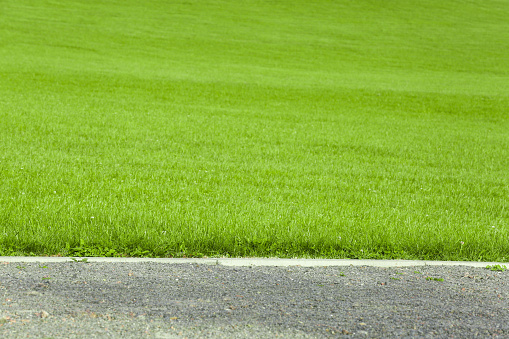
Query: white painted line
(259, 261)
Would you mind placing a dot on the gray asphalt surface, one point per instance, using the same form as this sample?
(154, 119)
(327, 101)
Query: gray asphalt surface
(161, 300)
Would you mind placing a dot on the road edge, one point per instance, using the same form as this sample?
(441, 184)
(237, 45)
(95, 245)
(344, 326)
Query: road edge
(257, 261)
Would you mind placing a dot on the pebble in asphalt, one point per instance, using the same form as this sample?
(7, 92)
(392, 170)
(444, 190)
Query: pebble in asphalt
(157, 300)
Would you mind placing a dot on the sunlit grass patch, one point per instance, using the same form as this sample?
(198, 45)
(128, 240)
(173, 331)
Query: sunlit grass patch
(210, 128)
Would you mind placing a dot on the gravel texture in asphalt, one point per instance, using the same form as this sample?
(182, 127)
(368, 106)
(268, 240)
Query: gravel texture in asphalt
(156, 300)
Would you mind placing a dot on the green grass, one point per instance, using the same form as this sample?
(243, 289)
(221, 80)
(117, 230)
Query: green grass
(499, 268)
(359, 129)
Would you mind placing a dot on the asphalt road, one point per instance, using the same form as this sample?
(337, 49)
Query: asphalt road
(167, 300)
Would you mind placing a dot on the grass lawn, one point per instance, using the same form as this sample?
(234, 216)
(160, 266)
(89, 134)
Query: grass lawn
(340, 129)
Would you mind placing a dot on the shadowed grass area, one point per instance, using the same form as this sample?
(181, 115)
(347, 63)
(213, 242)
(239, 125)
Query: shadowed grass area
(255, 128)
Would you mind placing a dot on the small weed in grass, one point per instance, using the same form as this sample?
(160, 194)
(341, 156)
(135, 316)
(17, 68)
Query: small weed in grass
(435, 279)
(341, 274)
(394, 278)
(499, 268)
(417, 272)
